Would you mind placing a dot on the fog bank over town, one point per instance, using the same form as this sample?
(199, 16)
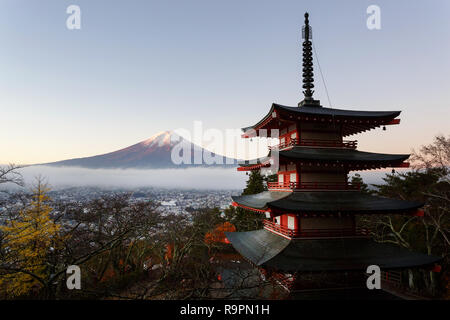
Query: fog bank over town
(191, 178)
(195, 178)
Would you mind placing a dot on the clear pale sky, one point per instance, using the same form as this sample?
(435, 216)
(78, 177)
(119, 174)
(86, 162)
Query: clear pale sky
(139, 67)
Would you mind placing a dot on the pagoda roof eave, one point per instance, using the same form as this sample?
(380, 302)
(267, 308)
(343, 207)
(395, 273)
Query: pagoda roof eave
(254, 164)
(383, 117)
(339, 154)
(266, 249)
(259, 201)
(312, 203)
(314, 110)
(332, 155)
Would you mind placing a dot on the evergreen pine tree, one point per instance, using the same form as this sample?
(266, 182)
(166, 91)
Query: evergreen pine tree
(245, 220)
(357, 179)
(255, 183)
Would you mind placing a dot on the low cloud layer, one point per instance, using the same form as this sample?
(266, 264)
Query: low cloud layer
(192, 178)
(197, 178)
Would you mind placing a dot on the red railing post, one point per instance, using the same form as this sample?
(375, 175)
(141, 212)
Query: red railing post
(315, 232)
(351, 144)
(314, 185)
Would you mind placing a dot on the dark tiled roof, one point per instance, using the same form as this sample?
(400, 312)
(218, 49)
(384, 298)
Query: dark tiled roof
(335, 154)
(258, 246)
(264, 248)
(248, 163)
(331, 155)
(339, 112)
(326, 202)
(260, 200)
(330, 113)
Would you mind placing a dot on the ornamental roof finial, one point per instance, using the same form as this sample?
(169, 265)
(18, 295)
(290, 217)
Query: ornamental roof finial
(308, 74)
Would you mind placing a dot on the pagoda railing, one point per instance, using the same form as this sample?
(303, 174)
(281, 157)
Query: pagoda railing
(347, 144)
(280, 229)
(313, 185)
(310, 233)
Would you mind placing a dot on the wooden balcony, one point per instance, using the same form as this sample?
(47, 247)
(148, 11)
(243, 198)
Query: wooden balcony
(312, 233)
(334, 186)
(346, 144)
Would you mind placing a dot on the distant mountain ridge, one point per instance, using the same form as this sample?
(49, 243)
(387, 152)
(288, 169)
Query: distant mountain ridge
(153, 153)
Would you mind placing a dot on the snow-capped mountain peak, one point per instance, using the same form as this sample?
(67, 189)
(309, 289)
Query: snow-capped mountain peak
(154, 152)
(160, 139)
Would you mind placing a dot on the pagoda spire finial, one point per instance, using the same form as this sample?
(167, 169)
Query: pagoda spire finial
(308, 74)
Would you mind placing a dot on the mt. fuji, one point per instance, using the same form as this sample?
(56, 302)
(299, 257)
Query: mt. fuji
(153, 153)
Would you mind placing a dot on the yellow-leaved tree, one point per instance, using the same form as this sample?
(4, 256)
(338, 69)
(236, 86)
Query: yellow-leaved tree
(27, 240)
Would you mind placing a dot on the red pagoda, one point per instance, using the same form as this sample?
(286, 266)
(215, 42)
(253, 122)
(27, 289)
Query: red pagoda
(310, 238)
